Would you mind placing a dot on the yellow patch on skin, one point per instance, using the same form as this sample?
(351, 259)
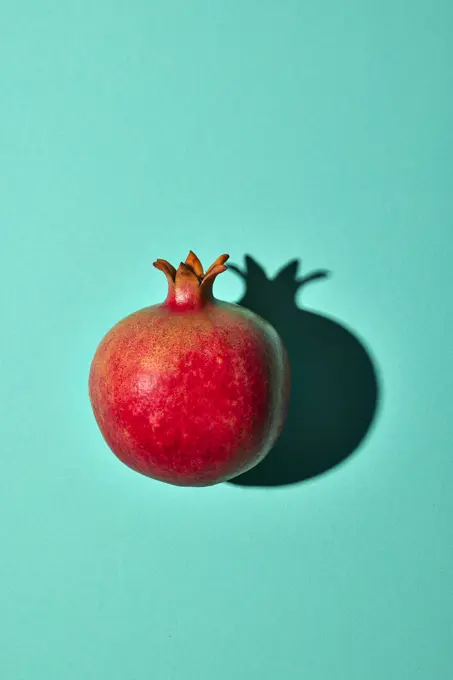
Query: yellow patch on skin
(231, 422)
(155, 418)
(100, 361)
(151, 362)
(126, 435)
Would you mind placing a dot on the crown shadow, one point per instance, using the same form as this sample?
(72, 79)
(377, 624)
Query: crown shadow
(334, 384)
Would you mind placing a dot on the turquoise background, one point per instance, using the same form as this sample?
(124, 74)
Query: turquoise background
(134, 130)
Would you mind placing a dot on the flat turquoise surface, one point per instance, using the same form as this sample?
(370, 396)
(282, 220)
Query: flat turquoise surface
(313, 130)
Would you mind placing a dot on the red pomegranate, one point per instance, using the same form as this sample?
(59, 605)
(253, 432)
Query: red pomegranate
(192, 391)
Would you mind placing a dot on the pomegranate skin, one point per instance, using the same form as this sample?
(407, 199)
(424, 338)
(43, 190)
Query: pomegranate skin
(191, 392)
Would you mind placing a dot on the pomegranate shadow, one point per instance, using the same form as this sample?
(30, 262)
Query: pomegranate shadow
(334, 384)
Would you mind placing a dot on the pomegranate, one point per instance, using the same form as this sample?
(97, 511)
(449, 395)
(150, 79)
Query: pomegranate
(192, 391)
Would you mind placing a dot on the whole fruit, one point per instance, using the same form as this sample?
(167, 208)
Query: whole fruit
(192, 391)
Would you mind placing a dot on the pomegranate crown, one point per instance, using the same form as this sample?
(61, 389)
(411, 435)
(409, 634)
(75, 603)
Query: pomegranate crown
(189, 285)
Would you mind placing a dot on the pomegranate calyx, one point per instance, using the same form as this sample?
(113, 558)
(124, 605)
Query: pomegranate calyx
(166, 268)
(189, 285)
(194, 264)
